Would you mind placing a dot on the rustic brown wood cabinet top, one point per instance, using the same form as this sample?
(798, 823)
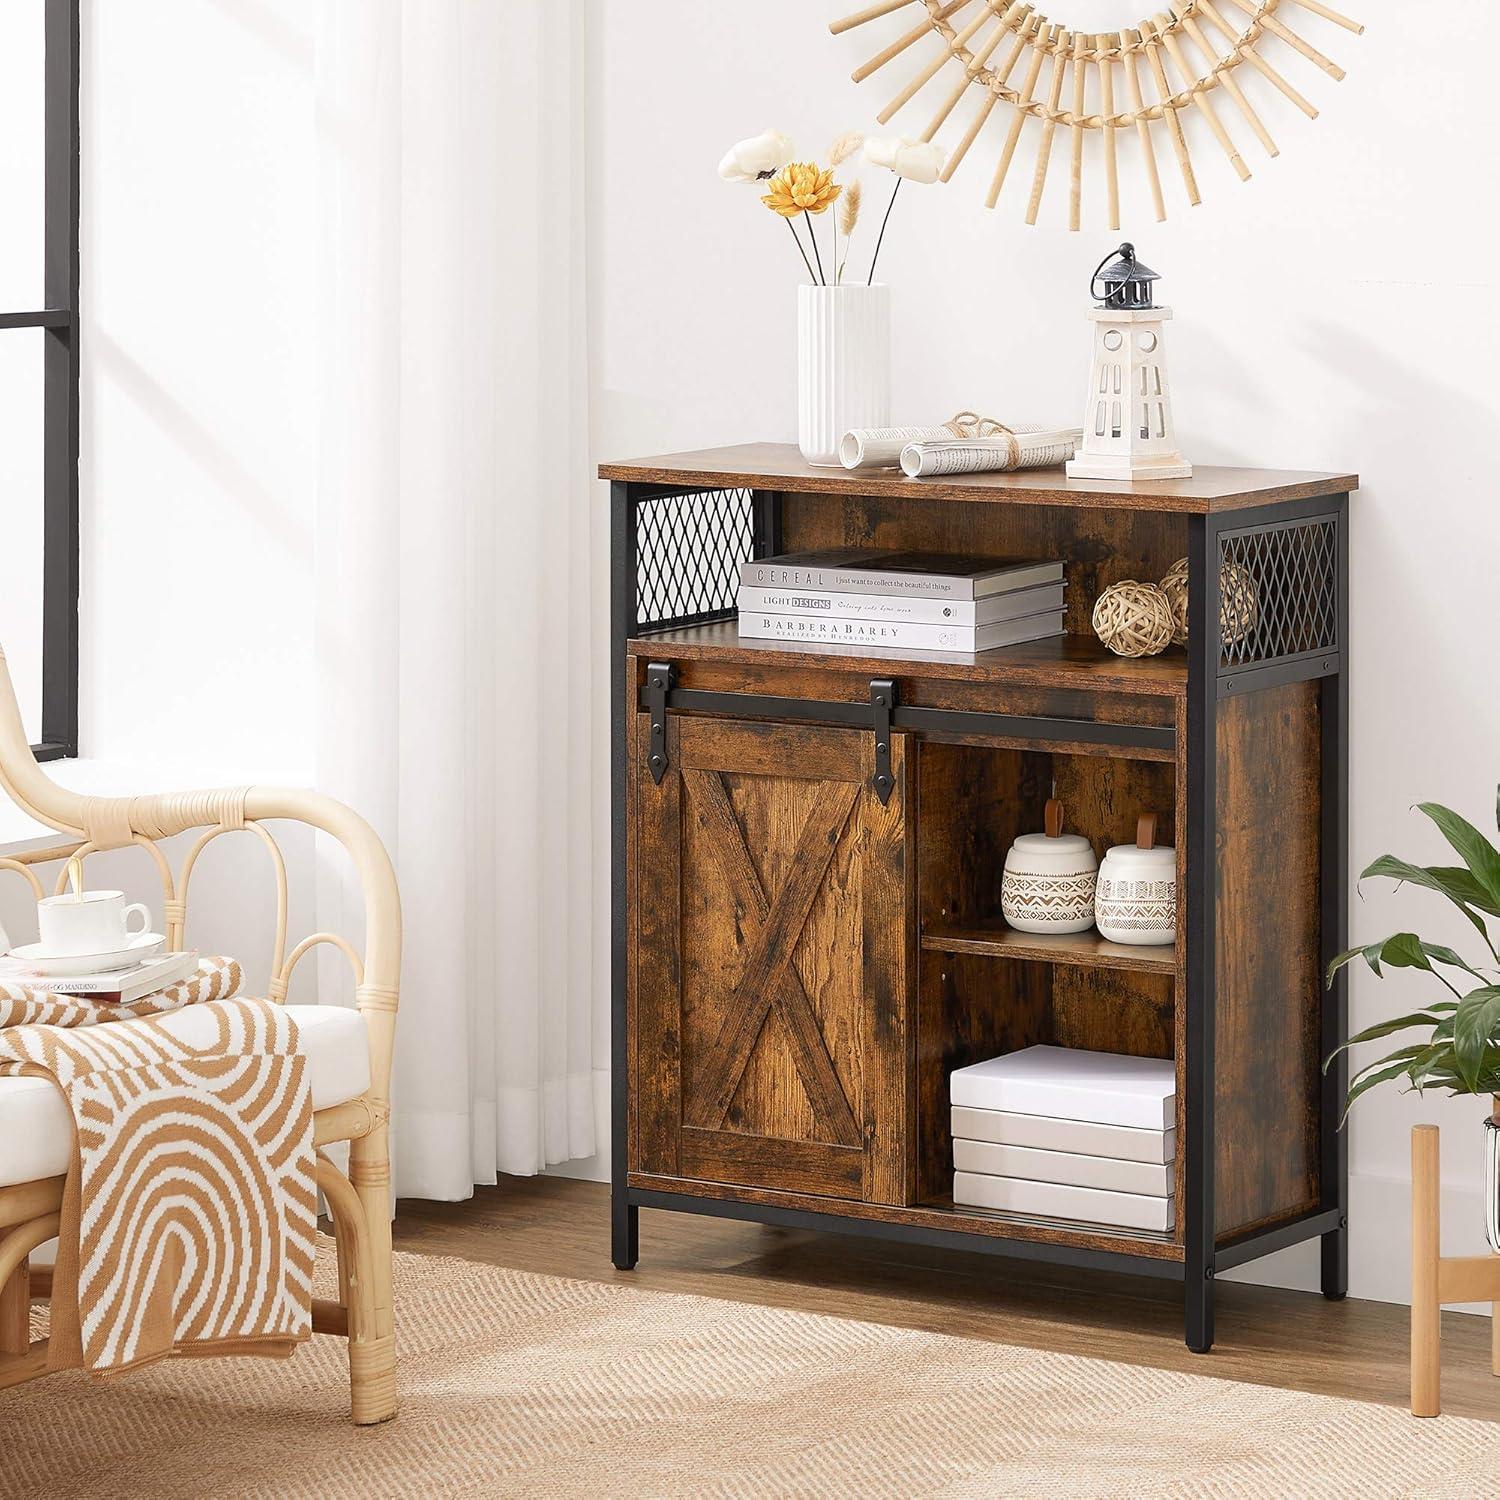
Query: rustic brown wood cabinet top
(808, 845)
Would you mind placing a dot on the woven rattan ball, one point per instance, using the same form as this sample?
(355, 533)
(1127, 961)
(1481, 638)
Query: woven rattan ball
(1174, 586)
(1133, 619)
(1239, 604)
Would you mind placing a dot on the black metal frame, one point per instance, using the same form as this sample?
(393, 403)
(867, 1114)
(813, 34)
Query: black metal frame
(880, 713)
(59, 320)
(1209, 681)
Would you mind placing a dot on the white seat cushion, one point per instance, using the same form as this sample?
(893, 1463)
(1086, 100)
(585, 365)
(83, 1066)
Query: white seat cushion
(36, 1135)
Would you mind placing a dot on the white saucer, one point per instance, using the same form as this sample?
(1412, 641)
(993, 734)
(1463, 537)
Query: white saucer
(140, 948)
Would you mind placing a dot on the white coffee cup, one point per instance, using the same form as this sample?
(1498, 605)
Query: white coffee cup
(95, 922)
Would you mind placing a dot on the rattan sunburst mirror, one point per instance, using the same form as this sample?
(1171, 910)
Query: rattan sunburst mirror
(1138, 82)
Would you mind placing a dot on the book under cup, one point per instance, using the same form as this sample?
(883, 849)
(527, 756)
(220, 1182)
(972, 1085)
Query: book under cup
(119, 986)
(1055, 1200)
(1048, 1133)
(1150, 1179)
(1103, 1088)
(888, 635)
(899, 608)
(920, 575)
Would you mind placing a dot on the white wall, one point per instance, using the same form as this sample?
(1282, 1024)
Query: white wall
(1335, 312)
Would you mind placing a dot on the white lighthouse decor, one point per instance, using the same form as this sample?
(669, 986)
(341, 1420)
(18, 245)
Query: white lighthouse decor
(1127, 425)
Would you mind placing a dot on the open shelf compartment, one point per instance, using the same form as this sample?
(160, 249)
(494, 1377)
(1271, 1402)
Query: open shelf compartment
(984, 989)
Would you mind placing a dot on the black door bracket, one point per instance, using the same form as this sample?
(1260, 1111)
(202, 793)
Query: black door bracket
(659, 679)
(882, 705)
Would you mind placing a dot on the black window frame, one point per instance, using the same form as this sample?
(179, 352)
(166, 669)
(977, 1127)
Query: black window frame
(58, 318)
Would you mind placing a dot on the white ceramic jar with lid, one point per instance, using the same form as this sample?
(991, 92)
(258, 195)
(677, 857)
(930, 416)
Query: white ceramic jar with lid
(1048, 885)
(1137, 895)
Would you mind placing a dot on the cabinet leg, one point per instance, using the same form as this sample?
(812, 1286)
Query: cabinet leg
(1336, 1265)
(625, 1233)
(1199, 1311)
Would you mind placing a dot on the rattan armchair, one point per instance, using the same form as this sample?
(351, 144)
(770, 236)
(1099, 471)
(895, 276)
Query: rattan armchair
(359, 1201)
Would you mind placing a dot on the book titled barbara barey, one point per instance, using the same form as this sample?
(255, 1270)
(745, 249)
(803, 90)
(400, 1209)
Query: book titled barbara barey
(894, 635)
(923, 575)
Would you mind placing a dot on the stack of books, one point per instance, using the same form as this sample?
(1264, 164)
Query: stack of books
(917, 601)
(1059, 1133)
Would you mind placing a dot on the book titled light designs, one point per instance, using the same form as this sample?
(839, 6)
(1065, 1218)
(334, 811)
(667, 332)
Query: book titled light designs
(900, 600)
(1060, 1133)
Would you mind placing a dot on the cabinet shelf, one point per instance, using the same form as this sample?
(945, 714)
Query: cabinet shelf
(1060, 1231)
(935, 1214)
(1085, 949)
(1066, 661)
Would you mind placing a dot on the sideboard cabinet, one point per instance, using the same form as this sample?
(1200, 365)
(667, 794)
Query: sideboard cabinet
(808, 842)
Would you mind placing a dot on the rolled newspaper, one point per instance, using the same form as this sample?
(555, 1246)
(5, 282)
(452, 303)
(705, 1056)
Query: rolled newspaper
(880, 447)
(1021, 448)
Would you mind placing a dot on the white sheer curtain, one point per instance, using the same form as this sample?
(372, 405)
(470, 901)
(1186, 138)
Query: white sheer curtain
(454, 556)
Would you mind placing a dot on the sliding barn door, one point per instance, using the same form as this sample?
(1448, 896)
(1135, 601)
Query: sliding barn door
(769, 998)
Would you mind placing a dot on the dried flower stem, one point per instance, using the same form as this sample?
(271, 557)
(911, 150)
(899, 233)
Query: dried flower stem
(880, 240)
(800, 251)
(848, 217)
(812, 234)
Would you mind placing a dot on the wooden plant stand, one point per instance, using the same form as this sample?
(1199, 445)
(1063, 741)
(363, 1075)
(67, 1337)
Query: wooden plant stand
(1438, 1278)
(808, 842)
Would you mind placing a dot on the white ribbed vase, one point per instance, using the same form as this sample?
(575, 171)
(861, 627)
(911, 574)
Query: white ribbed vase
(843, 365)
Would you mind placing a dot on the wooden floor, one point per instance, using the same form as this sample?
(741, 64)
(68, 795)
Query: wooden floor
(1264, 1336)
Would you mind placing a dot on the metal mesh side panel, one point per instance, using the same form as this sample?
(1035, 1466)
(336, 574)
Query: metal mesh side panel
(1278, 588)
(688, 551)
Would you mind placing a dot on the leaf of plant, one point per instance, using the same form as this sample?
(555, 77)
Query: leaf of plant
(1449, 956)
(1441, 1073)
(1473, 1028)
(1476, 851)
(1402, 950)
(1462, 880)
(1464, 894)
(1368, 1080)
(1403, 1055)
(1441, 1028)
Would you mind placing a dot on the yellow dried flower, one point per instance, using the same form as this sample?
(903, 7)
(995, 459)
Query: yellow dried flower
(800, 187)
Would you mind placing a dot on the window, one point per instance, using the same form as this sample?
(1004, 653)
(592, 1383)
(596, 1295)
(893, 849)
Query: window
(39, 366)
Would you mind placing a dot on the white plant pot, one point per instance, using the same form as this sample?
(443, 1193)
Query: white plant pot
(843, 365)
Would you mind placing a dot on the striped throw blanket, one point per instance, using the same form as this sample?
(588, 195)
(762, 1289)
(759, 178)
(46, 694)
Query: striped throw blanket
(189, 1209)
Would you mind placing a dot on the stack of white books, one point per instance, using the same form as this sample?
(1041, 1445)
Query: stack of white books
(897, 601)
(1060, 1133)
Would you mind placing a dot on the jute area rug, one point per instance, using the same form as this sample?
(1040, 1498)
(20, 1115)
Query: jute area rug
(519, 1384)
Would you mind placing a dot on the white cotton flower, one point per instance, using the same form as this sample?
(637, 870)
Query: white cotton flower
(921, 161)
(761, 156)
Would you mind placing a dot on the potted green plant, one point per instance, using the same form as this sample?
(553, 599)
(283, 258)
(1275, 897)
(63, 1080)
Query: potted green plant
(1457, 1043)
